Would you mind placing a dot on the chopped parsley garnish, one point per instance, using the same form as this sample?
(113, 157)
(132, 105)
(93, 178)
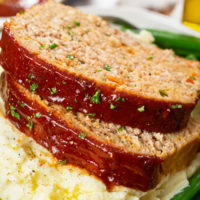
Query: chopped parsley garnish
(23, 105)
(70, 57)
(12, 108)
(120, 129)
(91, 114)
(96, 97)
(163, 93)
(120, 99)
(75, 100)
(33, 87)
(38, 115)
(53, 46)
(42, 46)
(141, 109)
(69, 108)
(83, 135)
(31, 76)
(69, 27)
(22, 12)
(63, 82)
(70, 33)
(53, 90)
(62, 162)
(14, 113)
(193, 78)
(107, 67)
(77, 23)
(112, 106)
(176, 106)
(87, 96)
(150, 56)
(30, 125)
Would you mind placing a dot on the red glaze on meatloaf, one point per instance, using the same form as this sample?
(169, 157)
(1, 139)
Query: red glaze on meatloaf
(64, 141)
(103, 101)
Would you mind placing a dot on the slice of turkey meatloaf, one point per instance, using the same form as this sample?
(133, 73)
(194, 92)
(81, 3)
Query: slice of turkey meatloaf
(78, 60)
(117, 155)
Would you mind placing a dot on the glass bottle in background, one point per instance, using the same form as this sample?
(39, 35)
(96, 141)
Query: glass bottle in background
(191, 14)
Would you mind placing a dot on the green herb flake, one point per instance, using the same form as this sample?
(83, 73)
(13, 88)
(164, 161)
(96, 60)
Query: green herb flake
(193, 78)
(96, 97)
(14, 113)
(112, 106)
(31, 76)
(107, 67)
(63, 82)
(87, 96)
(83, 135)
(23, 105)
(53, 46)
(30, 125)
(69, 27)
(150, 57)
(70, 33)
(22, 12)
(69, 108)
(42, 46)
(33, 87)
(38, 115)
(12, 108)
(176, 106)
(163, 93)
(141, 109)
(120, 99)
(77, 23)
(120, 129)
(70, 57)
(91, 114)
(75, 100)
(62, 162)
(53, 90)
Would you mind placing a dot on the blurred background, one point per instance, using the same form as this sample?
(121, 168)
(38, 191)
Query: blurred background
(181, 11)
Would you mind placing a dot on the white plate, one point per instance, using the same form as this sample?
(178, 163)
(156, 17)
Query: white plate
(142, 18)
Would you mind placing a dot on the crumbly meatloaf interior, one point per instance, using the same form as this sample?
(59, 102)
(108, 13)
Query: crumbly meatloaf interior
(126, 138)
(86, 45)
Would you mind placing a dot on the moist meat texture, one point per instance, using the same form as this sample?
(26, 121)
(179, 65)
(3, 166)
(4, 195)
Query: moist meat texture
(78, 60)
(117, 155)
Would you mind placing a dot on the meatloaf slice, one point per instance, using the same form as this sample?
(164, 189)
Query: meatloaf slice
(117, 155)
(78, 60)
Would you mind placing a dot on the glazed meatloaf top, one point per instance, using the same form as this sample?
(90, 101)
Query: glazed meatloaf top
(78, 60)
(117, 155)
(86, 45)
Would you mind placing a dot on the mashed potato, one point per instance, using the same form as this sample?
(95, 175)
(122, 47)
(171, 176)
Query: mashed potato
(29, 172)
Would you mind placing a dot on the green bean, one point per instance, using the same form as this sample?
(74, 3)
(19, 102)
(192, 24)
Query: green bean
(190, 191)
